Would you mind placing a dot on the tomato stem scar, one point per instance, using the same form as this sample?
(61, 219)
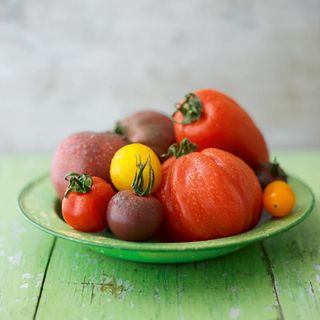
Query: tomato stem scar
(191, 109)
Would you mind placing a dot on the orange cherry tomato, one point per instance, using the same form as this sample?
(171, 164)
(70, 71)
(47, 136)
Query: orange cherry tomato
(278, 198)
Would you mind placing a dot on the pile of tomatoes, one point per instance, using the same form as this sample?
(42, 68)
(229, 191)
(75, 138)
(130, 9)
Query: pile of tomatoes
(202, 174)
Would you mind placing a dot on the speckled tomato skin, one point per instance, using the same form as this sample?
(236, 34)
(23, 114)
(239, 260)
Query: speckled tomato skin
(84, 152)
(208, 195)
(225, 125)
(150, 128)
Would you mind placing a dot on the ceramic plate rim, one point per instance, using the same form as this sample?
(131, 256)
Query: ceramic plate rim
(236, 240)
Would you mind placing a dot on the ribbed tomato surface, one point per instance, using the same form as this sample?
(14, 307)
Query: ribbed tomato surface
(207, 195)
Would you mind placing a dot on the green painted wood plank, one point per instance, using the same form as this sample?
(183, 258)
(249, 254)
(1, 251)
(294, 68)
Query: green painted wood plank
(295, 255)
(83, 284)
(23, 250)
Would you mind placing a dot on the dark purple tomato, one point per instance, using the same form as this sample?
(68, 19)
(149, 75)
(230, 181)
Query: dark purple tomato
(268, 172)
(134, 218)
(151, 128)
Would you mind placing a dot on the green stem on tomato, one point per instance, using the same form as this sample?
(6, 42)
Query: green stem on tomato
(138, 181)
(276, 170)
(120, 129)
(185, 147)
(78, 183)
(191, 109)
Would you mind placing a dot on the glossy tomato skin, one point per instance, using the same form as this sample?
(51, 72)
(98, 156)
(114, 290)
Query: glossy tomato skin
(207, 195)
(224, 125)
(87, 211)
(124, 164)
(150, 128)
(278, 198)
(134, 218)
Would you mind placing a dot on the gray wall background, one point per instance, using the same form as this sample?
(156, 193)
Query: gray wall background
(70, 65)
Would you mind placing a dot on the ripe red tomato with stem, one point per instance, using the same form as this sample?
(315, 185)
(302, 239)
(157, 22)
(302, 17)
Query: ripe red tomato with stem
(211, 119)
(207, 194)
(85, 202)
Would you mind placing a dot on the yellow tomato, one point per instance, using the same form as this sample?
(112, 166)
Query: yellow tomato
(124, 166)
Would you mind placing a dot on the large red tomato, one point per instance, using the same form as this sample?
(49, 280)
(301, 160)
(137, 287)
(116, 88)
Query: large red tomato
(211, 119)
(207, 195)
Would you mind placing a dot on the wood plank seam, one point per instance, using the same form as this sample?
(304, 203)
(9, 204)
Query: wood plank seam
(271, 273)
(44, 278)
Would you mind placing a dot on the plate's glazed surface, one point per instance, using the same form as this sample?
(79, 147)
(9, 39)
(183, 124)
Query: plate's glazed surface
(38, 203)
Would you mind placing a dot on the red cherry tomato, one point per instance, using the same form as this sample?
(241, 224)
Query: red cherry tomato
(85, 208)
(278, 199)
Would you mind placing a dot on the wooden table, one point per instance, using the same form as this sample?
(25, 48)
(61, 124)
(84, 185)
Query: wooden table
(46, 278)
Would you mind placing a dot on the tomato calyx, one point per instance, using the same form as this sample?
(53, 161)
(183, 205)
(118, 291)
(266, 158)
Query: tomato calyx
(191, 109)
(78, 183)
(138, 181)
(270, 171)
(276, 170)
(185, 147)
(120, 129)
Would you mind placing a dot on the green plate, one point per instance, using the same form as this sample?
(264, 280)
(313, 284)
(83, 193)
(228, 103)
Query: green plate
(39, 205)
